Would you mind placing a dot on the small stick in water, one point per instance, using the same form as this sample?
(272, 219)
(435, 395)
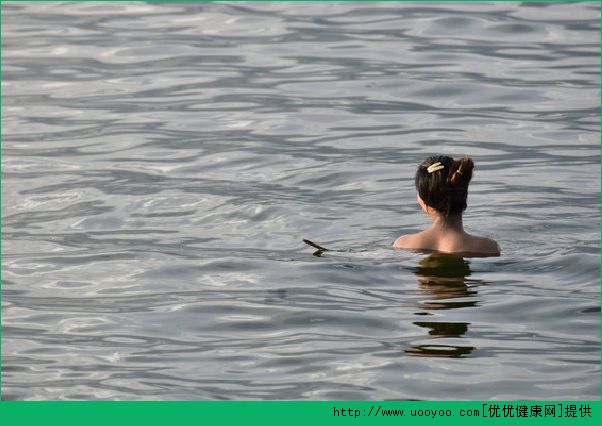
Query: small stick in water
(314, 245)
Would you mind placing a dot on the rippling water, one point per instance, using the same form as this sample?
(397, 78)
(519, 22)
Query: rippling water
(163, 162)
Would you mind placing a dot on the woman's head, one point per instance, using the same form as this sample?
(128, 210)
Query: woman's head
(442, 183)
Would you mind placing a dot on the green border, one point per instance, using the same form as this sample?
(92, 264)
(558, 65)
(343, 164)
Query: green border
(299, 412)
(294, 412)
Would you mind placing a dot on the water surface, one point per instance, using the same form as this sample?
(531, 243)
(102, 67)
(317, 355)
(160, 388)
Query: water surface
(161, 164)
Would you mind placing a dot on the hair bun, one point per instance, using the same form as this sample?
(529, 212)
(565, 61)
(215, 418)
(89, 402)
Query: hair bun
(461, 172)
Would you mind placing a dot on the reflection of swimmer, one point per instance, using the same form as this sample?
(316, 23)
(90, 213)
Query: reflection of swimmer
(442, 186)
(443, 278)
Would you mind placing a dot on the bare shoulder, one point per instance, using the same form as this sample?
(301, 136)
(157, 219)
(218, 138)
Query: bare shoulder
(486, 245)
(401, 242)
(410, 241)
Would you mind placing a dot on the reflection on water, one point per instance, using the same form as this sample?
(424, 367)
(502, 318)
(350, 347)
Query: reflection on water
(444, 278)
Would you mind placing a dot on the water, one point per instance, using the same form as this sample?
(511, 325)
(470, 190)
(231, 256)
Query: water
(163, 162)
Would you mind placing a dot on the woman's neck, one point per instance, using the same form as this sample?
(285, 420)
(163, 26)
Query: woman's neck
(449, 224)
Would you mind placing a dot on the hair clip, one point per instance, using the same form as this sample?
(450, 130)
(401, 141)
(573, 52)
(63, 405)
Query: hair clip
(434, 167)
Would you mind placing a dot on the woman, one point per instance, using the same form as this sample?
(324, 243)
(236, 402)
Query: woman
(442, 186)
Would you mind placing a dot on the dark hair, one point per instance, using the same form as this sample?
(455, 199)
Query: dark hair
(446, 189)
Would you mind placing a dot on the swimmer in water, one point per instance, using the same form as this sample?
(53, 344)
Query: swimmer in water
(442, 186)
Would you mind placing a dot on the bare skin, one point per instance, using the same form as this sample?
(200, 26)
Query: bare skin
(447, 235)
